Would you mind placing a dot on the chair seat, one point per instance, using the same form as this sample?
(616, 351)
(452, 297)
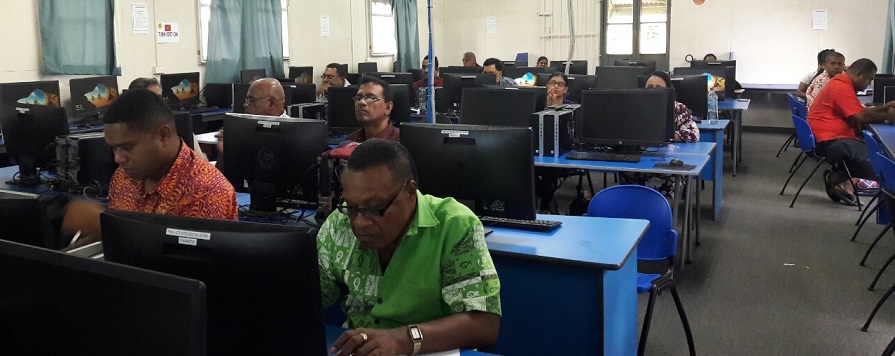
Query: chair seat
(645, 282)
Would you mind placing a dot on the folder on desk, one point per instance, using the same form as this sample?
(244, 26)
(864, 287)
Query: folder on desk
(554, 129)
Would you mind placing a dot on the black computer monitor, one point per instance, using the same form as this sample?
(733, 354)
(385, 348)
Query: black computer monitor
(392, 77)
(723, 79)
(53, 302)
(239, 97)
(300, 93)
(272, 157)
(367, 67)
(879, 88)
(183, 124)
(459, 70)
(635, 63)
(576, 67)
(263, 283)
(417, 74)
(499, 106)
(340, 109)
(472, 164)
(32, 219)
(704, 64)
(247, 76)
(400, 104)
(576, 84)
(452, 88)
(33, 93)
(619, 77)
(29, 132)
(180, 90)
(625, 118)
(691, 91)
(303, 74)
(90, 97)
(219, 94)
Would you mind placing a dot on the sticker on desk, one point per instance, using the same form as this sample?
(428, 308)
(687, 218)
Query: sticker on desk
(186, 241)
(189, 234)
(268, 124)
(454, 133)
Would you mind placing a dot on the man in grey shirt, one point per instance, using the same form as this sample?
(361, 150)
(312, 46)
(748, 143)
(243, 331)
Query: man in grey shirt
(495, 66)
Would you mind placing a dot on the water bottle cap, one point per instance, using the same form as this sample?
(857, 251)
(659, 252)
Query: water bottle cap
(712, 88)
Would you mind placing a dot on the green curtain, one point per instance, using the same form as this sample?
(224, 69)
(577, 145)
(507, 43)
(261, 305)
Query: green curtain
(406, 34)
(244, 34)
(77, 36)
(889, 45)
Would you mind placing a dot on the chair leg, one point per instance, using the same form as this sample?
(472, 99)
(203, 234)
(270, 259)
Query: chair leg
(792, 173)
(873, 244)
(878, 305)
(644, 333)
(866, 217)
(869, 212)
(683, 315)
(880, 272)
(793, 165)
(786, 144)
(804, 183)
(889, 348)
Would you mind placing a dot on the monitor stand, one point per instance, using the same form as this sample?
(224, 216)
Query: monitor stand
(625, 150)
(263, 196)
(28, 176)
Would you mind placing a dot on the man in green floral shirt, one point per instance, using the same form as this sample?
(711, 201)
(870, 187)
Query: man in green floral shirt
(414, 269)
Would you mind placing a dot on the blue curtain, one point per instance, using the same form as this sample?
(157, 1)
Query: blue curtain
(889, 45)
(76, 36)
(244, 34)
(406, 34)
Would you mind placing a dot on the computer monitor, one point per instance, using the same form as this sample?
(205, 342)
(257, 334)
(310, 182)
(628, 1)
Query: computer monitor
(90, 97)
(302, 74)
(576, 84)
(180, 90)
(300, 93)
(263, 283)
(472, 164)
(367, 67)
(272, 158)
(619, 77)
(239, 97)
(340, 109)
(498, 106)
(691, 91)
(33, 93)
(183, 124)
(879, 88)
(392, 77)
(32, 219)
(625, 118)
(635, 63)
(576, 67)
(459, 70)
(718, 78)
(417, 74)
(54, 302)
(29, 132)
(219, 94)
(705, 64)
(247, 76)
(452, 88)
(400, 104)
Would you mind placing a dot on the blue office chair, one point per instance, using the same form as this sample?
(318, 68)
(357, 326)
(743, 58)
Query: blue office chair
(799, 109)
(807, 144)
(888, 169)
(658, 245)
(873, 148)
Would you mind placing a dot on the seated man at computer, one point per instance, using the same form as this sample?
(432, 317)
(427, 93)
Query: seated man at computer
(265, 97)
(495, 66)
(834, 63)
(835, 118)
(333, 76)
(157, 173)
(441, 290)
(372, 105)
(420, 87)
(469, 60)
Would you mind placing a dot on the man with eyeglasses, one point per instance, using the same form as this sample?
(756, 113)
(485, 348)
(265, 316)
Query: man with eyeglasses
(372, 106)
(495, 66)
(414, 269)
(333, 76)
(265, 97)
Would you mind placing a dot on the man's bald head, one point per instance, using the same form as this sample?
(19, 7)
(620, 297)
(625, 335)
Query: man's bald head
(265, 97)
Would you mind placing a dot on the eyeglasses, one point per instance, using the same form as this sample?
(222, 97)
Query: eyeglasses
(371, 213)
(559, 84)
(328, 76)
(368, 99)
(250, 99)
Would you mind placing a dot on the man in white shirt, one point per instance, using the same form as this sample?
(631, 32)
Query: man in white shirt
(333, 76)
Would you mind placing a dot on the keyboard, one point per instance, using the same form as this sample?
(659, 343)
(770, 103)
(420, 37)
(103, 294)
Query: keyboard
(533, 225)
(603, 156)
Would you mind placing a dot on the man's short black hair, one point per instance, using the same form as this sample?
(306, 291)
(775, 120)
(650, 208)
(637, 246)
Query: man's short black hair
(495, 62)
(426, 58)
(665, 77)
(707, 55)
(386, 88)
(340, 69)
(377, 152)
(862, 66)
(141, 109)
(143, 83)
(565, 77)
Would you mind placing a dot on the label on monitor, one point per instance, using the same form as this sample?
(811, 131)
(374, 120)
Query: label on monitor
(190, 234)
(454, 133)
(186, 241)
(268, 124)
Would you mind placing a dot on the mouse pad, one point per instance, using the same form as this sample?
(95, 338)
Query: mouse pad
(685, 167)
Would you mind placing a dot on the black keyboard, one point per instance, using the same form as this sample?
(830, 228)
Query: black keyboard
(603, 156)
(533, 225)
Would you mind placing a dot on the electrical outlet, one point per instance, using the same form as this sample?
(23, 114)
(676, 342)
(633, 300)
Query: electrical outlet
(158, 70)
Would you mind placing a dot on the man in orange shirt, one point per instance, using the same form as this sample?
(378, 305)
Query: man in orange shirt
(835, 117)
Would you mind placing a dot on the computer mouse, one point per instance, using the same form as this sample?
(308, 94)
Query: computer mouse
(676, 162)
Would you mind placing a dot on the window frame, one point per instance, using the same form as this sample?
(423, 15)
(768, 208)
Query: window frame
(372, 32)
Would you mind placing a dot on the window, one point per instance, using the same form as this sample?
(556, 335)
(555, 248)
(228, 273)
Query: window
(205, 16)
(382, 29)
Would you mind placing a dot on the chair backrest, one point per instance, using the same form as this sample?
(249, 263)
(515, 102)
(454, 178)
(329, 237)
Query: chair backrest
(797, 106)
(873, 148)
(640, 202)
(887, 168)
(804, 134)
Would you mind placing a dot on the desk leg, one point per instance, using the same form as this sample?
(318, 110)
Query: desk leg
(719, 174)
(688, 208)
(678, 190)
(698, 213)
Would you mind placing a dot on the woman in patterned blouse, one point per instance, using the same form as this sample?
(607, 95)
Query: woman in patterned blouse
(685, 131)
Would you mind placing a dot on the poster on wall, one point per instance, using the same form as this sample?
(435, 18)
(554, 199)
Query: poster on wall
(140, 14)
(167, 32)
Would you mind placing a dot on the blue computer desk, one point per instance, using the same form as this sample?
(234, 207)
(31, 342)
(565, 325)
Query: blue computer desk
(736, 107)
(713, 170)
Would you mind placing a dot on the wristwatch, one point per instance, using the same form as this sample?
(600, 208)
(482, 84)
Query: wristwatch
(416, 335)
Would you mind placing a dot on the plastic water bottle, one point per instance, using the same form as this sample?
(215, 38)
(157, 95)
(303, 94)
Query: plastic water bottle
(712, 114)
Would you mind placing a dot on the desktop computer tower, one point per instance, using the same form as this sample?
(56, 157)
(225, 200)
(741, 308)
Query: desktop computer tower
(316, 111)
(84, 160)
(554, 129)
(32, 219)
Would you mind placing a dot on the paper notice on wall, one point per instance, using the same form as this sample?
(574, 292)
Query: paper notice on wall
(490, 24)
(819, 19)
(167, 32)
(324, 26)
(140, 14)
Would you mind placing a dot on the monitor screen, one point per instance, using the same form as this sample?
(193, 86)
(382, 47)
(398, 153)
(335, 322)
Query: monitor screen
(92, 96)
(577, 66)
(718, 78)
(272, 158)
(263, 284)
(29, 132)
(367, 67)
(619, 77)
(452, 90)
(879, 88)
(247, 76)
(33, 93)
(219, 94)
(239, 97)
(302, 74)
(32, 219)
(692, 92)
(340, 109)
(300, 93)
(471, 164)
(400, 104)
(625, 118)
(181, 89)
(499, 106)
(459, 70)
(52, 302)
